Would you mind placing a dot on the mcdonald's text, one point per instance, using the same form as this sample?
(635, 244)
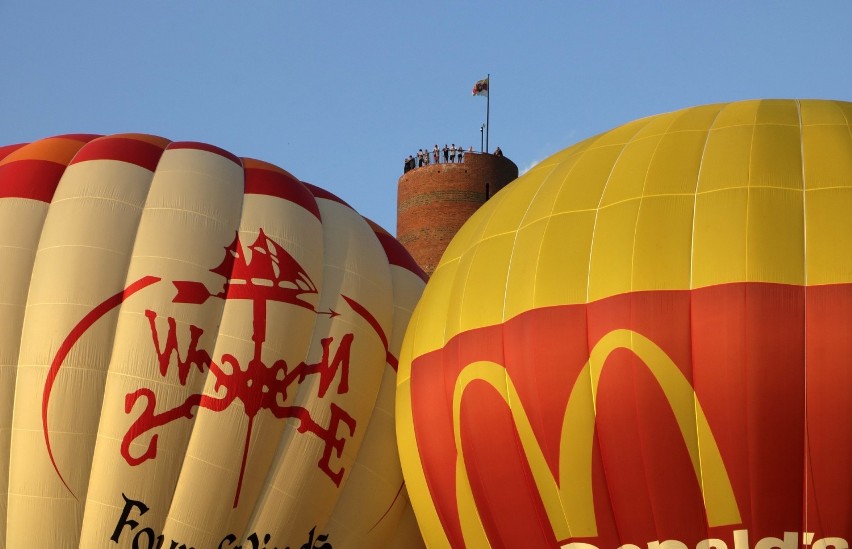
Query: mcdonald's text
(790, 540)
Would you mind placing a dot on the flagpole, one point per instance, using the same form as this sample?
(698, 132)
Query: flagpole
(487, 109)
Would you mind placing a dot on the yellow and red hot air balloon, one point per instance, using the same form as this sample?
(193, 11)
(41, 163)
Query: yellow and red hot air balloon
(198, 350)
(645, 341)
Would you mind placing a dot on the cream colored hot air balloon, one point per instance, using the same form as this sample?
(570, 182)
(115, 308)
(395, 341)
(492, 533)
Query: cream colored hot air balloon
(197, 350)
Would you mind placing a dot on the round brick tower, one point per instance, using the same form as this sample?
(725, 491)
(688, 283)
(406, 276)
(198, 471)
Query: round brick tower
(434, 201)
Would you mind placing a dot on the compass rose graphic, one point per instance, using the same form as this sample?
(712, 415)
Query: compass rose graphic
(267, 273)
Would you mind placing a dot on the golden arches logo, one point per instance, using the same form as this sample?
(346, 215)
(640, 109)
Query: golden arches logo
(568, 500)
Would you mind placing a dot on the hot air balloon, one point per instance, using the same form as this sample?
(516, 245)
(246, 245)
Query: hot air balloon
(198, 350)
(645, 341)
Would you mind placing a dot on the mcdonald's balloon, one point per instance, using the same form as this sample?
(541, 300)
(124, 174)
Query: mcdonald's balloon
(197, 351)
(645, 342)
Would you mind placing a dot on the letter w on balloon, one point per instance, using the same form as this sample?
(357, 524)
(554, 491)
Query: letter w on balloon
(568, 500)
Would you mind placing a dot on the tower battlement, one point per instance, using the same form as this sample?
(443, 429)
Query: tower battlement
(434, 201)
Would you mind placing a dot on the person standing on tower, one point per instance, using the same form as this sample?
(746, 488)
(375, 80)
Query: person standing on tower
(435, 153)
(453, 153)
(446, 153)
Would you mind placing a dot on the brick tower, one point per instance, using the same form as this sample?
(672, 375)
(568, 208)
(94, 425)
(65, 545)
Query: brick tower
(434, 201)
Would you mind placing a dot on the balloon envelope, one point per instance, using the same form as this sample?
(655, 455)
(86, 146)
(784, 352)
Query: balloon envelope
(644, 342)
(197, 350)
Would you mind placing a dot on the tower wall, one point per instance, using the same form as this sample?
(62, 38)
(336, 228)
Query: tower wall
(434, 201)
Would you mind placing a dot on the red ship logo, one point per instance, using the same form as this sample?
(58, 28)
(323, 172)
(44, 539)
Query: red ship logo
(268, 273)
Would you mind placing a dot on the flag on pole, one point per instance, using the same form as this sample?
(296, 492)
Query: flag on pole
(481, 87)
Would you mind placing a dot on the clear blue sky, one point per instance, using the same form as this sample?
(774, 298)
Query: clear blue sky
(338, 93)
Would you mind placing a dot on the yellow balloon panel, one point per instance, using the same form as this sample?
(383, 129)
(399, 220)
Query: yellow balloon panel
(827, 161)
(662, 251)
(726, 160)
(829, 251)
(714, 236)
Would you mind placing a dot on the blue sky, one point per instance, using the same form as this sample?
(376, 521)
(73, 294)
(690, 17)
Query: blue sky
(338, 93)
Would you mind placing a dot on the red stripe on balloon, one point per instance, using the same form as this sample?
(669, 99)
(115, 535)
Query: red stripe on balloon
(281, 185)
(322, 193)
(9, 149)
(32, 179)
(396, 252)
(123, 149)
(197, 146)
